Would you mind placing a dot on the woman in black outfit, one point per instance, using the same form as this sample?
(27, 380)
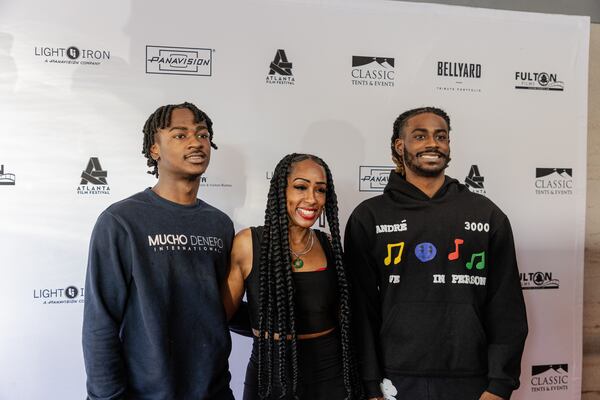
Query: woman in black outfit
(297, 290)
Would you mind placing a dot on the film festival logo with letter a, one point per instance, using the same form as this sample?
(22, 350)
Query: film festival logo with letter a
(179, 60)
(280, 70)
(93, 179)
(6, 178)
(71, 55)
(554, 181)
(373, 71)
(373, 178)
(474, 181)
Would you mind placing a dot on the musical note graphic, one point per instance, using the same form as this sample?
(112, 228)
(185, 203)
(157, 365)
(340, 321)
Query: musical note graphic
(454, 255)
(480, 264)
(390, 246)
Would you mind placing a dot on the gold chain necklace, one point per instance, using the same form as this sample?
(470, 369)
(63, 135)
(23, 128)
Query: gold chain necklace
(297, 261)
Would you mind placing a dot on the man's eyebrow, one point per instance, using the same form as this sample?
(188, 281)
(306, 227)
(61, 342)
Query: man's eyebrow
(425, 130)
(180, 128)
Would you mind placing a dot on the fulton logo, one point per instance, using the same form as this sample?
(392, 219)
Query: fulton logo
(93, 179)
(179, 60)
(549, 378)
(474, 181)
(373, 178)
(538, 280)
(554, 181)
(71, 55)
(280, 70)
(458, 76)
(6, 178)
(373, 71)
(538, 81)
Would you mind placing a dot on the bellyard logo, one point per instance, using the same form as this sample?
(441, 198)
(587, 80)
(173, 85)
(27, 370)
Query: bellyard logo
(549, 378)
(280, 70)
(372, 71)
(538, 81)
(372, 178)
(161, 242)
(93, 179)
(554, 181)
(6, 178)
(71, 55)
(474, 181)
(538, 280)
(179, 60)
(66, 295)
(458, 76)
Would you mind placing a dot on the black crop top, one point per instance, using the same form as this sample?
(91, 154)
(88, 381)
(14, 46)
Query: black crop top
(315, 292)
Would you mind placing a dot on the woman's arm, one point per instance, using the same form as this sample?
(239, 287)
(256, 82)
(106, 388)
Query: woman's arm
(239, 269)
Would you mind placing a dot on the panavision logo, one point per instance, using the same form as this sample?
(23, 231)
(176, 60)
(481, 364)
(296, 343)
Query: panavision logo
(68, 295)
(554, 181)
(474, 181)
(458, 76)
(538, 280)
(549, 378)
(71, 55)
(372, 178)
(178, 60)
(538, 81)
(6, 179)
(93, 179)
(280, 70)
(372, 71)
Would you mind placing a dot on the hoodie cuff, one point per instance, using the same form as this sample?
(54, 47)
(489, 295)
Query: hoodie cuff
(372, 389)
(499, 388)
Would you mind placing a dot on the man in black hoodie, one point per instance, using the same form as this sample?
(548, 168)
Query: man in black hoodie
(154, 327)
(438, 307)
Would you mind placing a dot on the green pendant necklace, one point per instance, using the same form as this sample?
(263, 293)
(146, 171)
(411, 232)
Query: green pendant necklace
(297, 262)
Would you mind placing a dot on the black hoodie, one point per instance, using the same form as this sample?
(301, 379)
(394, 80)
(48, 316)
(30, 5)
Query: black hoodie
(436, 287)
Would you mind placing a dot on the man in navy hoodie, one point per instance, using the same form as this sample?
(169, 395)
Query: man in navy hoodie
(438, 310)
(154, 327)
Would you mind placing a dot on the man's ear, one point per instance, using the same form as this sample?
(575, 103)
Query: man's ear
(155, 151)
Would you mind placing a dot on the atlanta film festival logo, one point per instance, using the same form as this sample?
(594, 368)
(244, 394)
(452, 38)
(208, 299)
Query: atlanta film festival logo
(93, 179)
(280, 70)
(71, 55)
(373, 71)
(6, 179)
(373, 178)
(179, 60)
(474, 181)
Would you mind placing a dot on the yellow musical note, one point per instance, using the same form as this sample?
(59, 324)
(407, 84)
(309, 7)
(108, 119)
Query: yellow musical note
(390, 246)
(480, 264)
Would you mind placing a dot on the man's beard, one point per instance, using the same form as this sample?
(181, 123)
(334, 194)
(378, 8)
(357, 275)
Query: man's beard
(410, 163)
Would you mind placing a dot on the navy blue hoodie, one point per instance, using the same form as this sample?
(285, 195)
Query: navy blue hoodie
(436, 287)
(154, 327)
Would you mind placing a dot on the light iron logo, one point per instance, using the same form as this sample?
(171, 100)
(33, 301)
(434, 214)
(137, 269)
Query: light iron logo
(549, 378)
(280, 70)
(6, 179)
(71, 55)
(538, 81)
(93, 179)
(67, 295)
(179, 60)
(538, 280)
(554, 181)
(373, 178)
(458, 76)
(474, 180)
(373, 71)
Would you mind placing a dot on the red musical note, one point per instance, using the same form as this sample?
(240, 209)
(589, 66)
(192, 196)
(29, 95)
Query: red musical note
(454, 255)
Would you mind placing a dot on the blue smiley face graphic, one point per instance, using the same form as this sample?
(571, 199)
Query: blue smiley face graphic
(425, 251)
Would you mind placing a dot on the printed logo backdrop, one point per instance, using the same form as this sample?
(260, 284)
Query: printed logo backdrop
(76, 88)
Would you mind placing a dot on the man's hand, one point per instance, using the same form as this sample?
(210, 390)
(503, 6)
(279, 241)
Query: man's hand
(489, 396)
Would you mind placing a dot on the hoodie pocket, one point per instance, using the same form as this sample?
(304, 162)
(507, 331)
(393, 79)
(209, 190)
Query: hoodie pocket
(433, 337)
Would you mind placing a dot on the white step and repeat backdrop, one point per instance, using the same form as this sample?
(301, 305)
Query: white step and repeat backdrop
(78, 80)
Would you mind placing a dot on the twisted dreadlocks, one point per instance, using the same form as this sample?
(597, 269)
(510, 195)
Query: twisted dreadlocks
(161, 119)
(276, 289)
(399, 125)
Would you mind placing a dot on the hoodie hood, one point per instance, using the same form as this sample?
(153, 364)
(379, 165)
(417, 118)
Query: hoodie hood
(401, 190)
